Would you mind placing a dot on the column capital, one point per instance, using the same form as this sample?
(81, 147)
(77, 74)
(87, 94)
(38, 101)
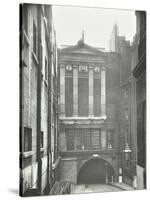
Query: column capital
(91, 67)
(75, 66)
(103, 68)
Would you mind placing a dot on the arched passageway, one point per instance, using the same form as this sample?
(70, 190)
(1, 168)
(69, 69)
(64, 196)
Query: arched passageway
(95, 171)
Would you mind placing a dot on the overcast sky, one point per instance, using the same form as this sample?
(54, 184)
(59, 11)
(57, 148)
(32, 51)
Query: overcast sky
(97, 24)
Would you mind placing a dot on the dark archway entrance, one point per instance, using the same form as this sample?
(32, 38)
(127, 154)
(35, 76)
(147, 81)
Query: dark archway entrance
(95, 171)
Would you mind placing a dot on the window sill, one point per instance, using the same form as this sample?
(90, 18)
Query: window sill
(35, 58)
(27, 154)
(98, 151)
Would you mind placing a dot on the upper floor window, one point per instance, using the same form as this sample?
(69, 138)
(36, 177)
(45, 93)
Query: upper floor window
(34, 38)
(126, 113)
(68, 91)
(25, 18)
(70, 139)
(96, 138)
(110, 139)
(83, 139)
(97, 93)
(46, 69)
(41, 140)
(125, 92)
(27, 139)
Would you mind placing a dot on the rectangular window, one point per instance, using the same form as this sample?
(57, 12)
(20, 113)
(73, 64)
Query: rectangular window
(110, 111)
(78, 140)
(34, 38)
(68, 93)
(96, 139)
(42, 143)
(126, 134)
(70, 139)
(42, 140)
(97, 94)
(125, 93)
(46, 69)
(83, 139)
(127, 160)
(25, 18)
(83, 94)
(27, 139)
(110, 139)
(141, 132)
(126, 113)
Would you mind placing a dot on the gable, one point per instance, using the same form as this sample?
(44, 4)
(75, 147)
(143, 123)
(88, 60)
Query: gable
(82, 48)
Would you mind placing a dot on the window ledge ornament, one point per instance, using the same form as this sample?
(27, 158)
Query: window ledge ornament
(110, 146)
(83, 68)
(69, 68)
(97, 69)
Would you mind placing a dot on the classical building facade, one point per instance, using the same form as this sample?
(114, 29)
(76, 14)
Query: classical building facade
(89, 130)
(38, 100)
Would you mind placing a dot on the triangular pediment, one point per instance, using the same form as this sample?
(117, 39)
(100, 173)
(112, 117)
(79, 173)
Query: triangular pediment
(83, 49)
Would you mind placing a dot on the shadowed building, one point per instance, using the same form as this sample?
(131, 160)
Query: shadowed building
(128, 145)
(38, 100)
(139, 73)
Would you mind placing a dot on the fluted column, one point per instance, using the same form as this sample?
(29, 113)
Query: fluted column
(91, 80)
(62, 90)
(103, 92)
(75, 90)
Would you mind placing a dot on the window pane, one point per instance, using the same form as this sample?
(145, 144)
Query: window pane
(70, 139)
(27, 139)
(69, 96)
(97, 97)
(95, 139)
(83, 97)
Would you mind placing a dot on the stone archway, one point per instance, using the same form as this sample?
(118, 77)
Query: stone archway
(95, 171)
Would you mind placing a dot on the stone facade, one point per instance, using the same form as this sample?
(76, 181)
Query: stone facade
(38, 71)
(98, 68)
(139, 73)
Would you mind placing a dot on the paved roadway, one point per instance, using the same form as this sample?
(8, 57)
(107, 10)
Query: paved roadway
(94, 188)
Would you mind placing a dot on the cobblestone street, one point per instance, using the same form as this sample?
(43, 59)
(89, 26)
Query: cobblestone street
(95, 188)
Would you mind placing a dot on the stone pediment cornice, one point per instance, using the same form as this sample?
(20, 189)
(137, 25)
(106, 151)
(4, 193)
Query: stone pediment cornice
(82, 49)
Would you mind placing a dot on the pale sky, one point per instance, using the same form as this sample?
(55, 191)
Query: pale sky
(97, 23)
